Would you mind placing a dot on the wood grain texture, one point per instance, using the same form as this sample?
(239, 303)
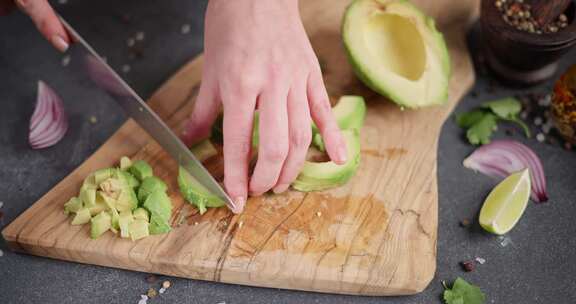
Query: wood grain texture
(374, 236)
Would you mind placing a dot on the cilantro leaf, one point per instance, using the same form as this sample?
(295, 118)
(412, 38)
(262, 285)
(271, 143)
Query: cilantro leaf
(505, 108)
(468, 119)
(463, 292)
(482, 130)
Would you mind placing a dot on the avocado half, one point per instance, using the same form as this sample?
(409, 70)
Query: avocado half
(397, 51)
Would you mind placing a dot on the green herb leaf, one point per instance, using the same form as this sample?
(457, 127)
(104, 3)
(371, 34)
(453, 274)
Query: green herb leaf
(463, 292)
(468, 119)
(505, 108)
(522, 125)
(481, 131)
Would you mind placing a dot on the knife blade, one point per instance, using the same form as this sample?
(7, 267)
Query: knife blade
(105, 78)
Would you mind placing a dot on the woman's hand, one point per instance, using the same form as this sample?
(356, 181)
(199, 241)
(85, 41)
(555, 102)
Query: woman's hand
(257, 56)
(44, 17)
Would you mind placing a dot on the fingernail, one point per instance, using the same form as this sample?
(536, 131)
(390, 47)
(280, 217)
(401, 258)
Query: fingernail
(240, 201)
(59, 43)
(281, 188)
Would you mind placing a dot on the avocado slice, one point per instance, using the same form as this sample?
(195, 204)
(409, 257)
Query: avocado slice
(73, 205)
(138, 229)
(141, 214)
(195, 193)
(141, 170)
(82, 217)
(100, 224)
(150, 184)
(204, 150)
(125, 163)
(349, 113)
(325, 175)
(397, 51)
(124, 220)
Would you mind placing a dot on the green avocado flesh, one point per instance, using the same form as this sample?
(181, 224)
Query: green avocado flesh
(397, 51)
(349, 113)
(195, 193)
(149, 185)
(141, 170)
(100, 224)
(108, 200)
(204, 150)
(325, 175)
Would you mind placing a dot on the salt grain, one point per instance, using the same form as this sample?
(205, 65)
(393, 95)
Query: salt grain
(130, 42)
(166, 284)
(140, 36)
(540, 137)
(538, 121)
(185, 29)
(480, 260)
(161, 290)
(93, 119)
(125, 68)
(143, 299)
(65, 60)
(1, 205)
(318, 214)
(1, 253)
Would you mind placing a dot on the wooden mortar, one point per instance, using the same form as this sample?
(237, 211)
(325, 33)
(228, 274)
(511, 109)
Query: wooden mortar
(521, 58)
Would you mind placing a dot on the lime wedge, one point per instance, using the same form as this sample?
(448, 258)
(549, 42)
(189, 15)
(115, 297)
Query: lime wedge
(504, 206)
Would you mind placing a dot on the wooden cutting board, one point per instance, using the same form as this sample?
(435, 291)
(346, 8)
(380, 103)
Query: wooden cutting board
(374, 236)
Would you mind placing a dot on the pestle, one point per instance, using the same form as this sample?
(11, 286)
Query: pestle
(546, 11)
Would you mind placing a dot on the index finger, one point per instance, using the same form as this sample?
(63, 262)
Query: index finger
(46, 21)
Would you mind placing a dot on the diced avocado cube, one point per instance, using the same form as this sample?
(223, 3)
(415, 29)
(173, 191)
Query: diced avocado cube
(90, 182)
(88, 195)
(159, 225)
(103, 174)
(115, 218)
(125, 163)
(158, 203)
(138, 229)
(195, 193)
(99, 207)
(127, 200)
(141, 170)
(125, 219)
(204, 150)
(128, 179)
(109, 201)
(82, 217)
(73, 205)
(100, 224)
(141, 214)
(149, 185)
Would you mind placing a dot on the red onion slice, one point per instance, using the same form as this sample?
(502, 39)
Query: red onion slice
(49, 122)
(504, 157)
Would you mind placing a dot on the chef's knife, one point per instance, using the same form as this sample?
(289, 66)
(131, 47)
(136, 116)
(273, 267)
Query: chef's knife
(105, 78)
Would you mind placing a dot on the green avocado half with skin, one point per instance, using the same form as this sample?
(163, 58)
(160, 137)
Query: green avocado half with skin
(397, 51)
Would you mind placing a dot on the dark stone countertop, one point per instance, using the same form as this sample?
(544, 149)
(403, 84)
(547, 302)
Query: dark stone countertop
(536, 266)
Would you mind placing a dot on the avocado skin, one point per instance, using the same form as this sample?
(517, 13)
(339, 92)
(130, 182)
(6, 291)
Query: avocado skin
(388, 90)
